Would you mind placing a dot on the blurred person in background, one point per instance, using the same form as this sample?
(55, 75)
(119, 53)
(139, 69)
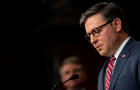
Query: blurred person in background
(70, 66)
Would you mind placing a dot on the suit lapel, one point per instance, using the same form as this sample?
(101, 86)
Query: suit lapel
(122, 59)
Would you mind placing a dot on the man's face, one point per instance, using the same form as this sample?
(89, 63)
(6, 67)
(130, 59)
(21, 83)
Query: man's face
(70, 69)
(106, 42)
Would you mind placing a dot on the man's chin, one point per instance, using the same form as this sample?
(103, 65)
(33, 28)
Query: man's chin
(72, 84)
(101, 52)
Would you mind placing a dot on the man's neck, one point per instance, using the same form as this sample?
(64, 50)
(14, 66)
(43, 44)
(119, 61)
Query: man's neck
(122, 37)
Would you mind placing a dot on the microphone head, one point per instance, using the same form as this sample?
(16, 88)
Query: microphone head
(59, 84)
(75, 76)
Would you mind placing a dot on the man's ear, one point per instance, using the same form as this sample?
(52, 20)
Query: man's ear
(117, 23)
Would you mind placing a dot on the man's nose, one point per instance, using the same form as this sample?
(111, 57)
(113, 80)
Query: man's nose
(93, 39)
(71, 73)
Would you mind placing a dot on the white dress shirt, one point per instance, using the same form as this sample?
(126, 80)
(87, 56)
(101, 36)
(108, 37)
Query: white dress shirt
(118, 52)
(120, 49)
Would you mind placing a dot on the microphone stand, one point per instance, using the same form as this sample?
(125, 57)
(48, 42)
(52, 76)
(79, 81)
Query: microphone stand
(59, 83)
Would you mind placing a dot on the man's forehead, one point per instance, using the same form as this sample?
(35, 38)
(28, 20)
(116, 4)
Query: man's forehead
(94, 21)
(70, 66)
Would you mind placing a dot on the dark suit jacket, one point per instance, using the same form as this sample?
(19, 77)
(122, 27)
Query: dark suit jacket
(126, 73)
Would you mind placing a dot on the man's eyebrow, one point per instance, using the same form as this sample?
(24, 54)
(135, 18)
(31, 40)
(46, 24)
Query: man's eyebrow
(95, 28)
(91, 31)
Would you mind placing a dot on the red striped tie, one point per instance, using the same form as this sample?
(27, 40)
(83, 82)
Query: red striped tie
(109, 72)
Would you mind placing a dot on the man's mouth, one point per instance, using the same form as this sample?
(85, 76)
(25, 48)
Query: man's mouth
(99, 47)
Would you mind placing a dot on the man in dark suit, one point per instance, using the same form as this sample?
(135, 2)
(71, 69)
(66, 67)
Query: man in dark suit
(107, 30)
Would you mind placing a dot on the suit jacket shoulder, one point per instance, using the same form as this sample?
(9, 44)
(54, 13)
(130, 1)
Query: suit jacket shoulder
(126, 73)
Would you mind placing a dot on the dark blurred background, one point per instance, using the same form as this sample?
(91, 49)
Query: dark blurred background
(37, 35)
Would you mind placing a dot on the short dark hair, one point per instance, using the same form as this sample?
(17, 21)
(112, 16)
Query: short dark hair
(108, 10)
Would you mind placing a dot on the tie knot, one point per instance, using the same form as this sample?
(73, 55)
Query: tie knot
(112, 58)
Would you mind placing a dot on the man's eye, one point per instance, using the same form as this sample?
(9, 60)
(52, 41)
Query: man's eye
(77, 70)
(67, 72)
(96, 30)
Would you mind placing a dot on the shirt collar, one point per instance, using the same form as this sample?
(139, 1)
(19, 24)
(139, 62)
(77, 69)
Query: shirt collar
(121, 47)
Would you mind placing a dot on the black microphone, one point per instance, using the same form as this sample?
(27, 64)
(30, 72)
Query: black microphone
(59, 83)
(75, 76)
